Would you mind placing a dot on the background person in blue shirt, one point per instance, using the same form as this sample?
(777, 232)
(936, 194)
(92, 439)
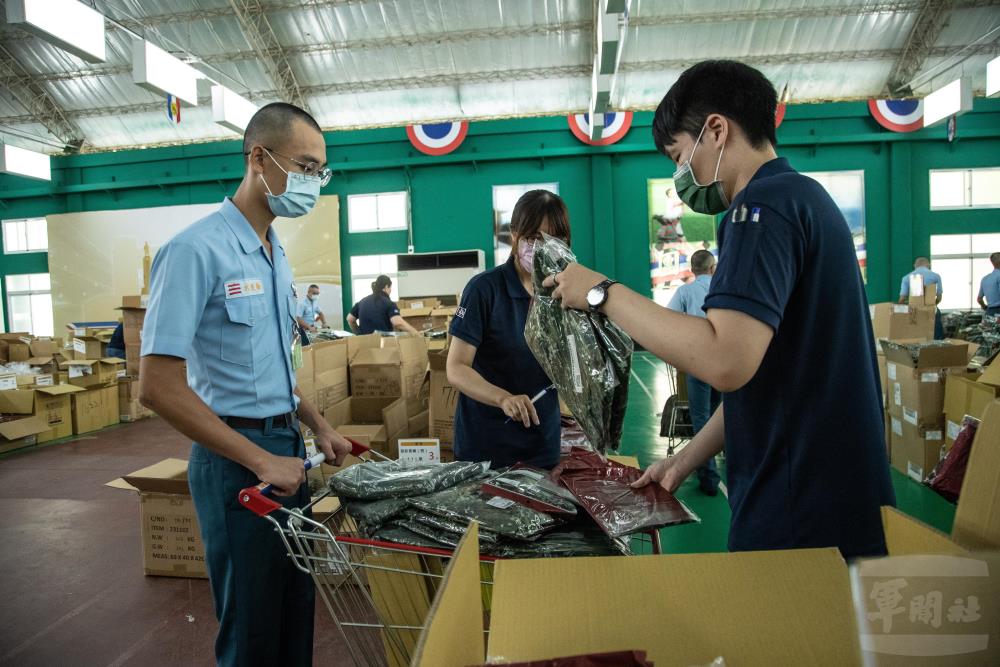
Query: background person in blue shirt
(989, 288)
(703, 399)
(309, 312)
(221, 299)
(801, 415)
(922, 268)
(489, 361)
(378, 312)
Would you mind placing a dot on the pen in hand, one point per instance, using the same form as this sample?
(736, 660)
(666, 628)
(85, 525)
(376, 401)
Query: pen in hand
(534, 399)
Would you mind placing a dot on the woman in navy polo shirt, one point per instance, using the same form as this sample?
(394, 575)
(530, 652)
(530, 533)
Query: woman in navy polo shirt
(489, 361)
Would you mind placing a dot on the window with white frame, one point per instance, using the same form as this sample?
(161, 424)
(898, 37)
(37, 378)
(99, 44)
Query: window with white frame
(380, 212)
(962, 260)
(29, 303)
(25, 235)
(366, 268)
(965, 188)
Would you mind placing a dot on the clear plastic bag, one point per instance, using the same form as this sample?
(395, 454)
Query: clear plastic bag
(457, 528)
(388, 479)
(586, 355)
(532, 488)
(371, 514)
(465, 502)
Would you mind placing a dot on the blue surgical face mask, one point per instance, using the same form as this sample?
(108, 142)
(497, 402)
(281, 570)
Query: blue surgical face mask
(300, 195)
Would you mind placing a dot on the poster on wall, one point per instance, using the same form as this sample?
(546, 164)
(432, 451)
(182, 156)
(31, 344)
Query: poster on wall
(675, 233)
(504, 199)
(847, 188)
(96, 257)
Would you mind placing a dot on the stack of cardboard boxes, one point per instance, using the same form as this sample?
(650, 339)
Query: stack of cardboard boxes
(133, 311)
(430, 314)
(442, 403)
(35, 406)
(917, 373)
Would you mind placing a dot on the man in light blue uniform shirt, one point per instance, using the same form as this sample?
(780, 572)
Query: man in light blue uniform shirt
(309, 312)
(922, 268)
(703, 399)
(989, 288)
(221, 300)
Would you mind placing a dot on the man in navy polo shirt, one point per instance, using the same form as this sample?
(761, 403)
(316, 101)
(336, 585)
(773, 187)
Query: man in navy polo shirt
(787, 336)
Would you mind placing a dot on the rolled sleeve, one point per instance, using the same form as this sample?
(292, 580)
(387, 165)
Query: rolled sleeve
(471, 320)
(178, 292)
(759, 267)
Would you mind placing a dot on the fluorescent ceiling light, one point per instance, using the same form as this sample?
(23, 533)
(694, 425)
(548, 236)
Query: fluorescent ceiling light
(230, 110)
(20, 161)
(70, 25)
(952, 99)
(993, 77)
(156, 70)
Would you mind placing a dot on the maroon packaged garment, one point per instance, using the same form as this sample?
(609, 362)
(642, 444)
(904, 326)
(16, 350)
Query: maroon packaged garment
(614, 659)
(948, 474)
(604, 489)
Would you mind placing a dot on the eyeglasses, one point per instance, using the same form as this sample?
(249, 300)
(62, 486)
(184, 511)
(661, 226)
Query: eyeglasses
(309, 169)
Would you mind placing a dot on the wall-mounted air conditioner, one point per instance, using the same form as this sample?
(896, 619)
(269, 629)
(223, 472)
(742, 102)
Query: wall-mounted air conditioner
(437, 273)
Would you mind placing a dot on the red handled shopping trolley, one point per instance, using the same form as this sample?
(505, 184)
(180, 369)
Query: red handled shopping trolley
(378, 593)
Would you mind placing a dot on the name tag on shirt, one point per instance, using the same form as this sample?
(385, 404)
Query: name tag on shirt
(241, 288)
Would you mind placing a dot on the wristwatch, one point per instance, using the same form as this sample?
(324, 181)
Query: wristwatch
(598, 295)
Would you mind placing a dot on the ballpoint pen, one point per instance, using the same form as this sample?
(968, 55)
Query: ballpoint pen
(537, 397)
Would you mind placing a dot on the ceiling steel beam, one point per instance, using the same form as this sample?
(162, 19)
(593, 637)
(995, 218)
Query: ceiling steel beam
(41, 107)
(260, 35)
(501, 76)
(927, 26)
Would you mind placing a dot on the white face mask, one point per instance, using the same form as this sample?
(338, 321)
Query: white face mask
(313, 297)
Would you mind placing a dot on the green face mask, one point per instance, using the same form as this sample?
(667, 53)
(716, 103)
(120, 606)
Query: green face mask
(709, 199)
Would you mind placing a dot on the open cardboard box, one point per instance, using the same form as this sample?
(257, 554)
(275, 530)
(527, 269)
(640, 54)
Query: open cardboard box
(171, 540)
(795, 607)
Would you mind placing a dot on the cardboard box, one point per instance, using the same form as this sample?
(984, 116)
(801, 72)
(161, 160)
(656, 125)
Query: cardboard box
(132, 321)
(304, 378)
(43, 347)
(357, 343)
(330, 372)
(89, 347)
(900, 321)
(53, 404)
(443, 400)
(171, 541)
(95, 409)
(396, 369)
(977, 518)
(964, 396)
(991, 375)
(883, 374)
(82, 372)
(376, 422)
(536, 606)
(916, 387)
(926, 297)
(915, 450)
(132, 359)
(46, 365)
(129, 407)
(428, 303)
(135, 301)
(20, 431)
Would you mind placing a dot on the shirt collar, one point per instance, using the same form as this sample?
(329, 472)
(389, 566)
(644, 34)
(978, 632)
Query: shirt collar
(241, 227)
(778, 165)
(703, 278)
(514, 287)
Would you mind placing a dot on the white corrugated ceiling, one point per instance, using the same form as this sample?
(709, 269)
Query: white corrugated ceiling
(372, 63)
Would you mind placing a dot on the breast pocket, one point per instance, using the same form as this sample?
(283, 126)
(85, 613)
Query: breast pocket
(238, 342)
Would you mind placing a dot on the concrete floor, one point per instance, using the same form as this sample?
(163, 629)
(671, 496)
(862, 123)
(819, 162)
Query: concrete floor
(70, 554)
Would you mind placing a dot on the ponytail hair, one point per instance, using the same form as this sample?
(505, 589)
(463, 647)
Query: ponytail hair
(378, 287)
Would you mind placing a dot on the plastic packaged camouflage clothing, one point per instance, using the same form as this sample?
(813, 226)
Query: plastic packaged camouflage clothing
(586, 355)
(371, 514)
(465, 502)
(579, 538)
(457, 528)
(388, 479)
(532, 488)
(397, 534)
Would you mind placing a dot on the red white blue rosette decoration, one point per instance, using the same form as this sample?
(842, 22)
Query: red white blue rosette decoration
(616, 126)
(437, 138)
(898, 115)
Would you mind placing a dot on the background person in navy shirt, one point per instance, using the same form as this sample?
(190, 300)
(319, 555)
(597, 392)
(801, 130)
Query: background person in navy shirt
(377, 311)
(489, 361)
(801, 419)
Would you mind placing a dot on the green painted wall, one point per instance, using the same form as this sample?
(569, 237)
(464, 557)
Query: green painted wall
(604, 187)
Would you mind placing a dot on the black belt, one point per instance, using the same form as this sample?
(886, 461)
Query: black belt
(287, 420)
